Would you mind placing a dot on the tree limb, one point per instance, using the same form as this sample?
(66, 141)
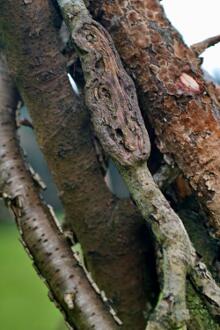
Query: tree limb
(111, 98)
(40, 235)
(110, 231)
(182, 107)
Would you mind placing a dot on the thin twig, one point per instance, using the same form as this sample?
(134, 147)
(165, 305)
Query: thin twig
(200, 47)
(52, 256)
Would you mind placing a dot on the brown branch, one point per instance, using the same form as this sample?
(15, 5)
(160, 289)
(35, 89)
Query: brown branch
(110, 231)
(200, 47)
(111, 98)
(41, 237)
(181, 106)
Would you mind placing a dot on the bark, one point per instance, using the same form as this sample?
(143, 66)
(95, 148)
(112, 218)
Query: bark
(41, 237)
(182, 107)
(200, 47)
(109, 230)
(111, 99)
(42, 68)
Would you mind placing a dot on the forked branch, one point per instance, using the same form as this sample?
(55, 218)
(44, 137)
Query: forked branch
(117, 121)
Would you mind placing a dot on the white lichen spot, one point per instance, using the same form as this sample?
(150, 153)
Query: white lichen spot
(69, 299)
(103, 295)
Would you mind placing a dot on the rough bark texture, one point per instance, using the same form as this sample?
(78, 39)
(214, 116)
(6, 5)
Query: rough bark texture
(98, 219)
(42, 238)
(176, 255)
(182, 107)
(109, 230)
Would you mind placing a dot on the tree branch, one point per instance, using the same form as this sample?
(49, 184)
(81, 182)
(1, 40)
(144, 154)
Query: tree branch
(40, 235)
(181, 105)
(200, 47)
(111, 98)
(110, 231)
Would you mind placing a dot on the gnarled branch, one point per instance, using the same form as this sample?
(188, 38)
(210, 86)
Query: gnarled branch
(182, 107)
(110, 231)
(201, 46)
(111, 98)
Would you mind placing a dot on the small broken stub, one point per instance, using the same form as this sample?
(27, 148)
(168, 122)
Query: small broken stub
(186, 84)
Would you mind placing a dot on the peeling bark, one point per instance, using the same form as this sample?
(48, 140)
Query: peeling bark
(182, 107)
(109, 111)
(41, 237)
(110, 231)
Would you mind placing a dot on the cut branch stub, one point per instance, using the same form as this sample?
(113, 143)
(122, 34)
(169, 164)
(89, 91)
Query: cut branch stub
(110, 92)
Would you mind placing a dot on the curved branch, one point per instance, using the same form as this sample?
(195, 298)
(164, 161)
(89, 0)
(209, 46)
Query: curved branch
(111, 98)
(46, 245)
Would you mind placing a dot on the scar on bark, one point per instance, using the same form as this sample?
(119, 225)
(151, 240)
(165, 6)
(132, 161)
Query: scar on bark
(117, 121)
(44, 242)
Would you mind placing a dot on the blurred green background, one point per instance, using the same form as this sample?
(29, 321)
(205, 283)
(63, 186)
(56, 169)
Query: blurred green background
(24, 303)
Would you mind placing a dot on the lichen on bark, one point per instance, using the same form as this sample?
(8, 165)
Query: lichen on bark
(176, 255)
(109, 230)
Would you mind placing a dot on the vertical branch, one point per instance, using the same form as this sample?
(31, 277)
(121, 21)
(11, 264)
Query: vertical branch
(112, 101)
(110, 231)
